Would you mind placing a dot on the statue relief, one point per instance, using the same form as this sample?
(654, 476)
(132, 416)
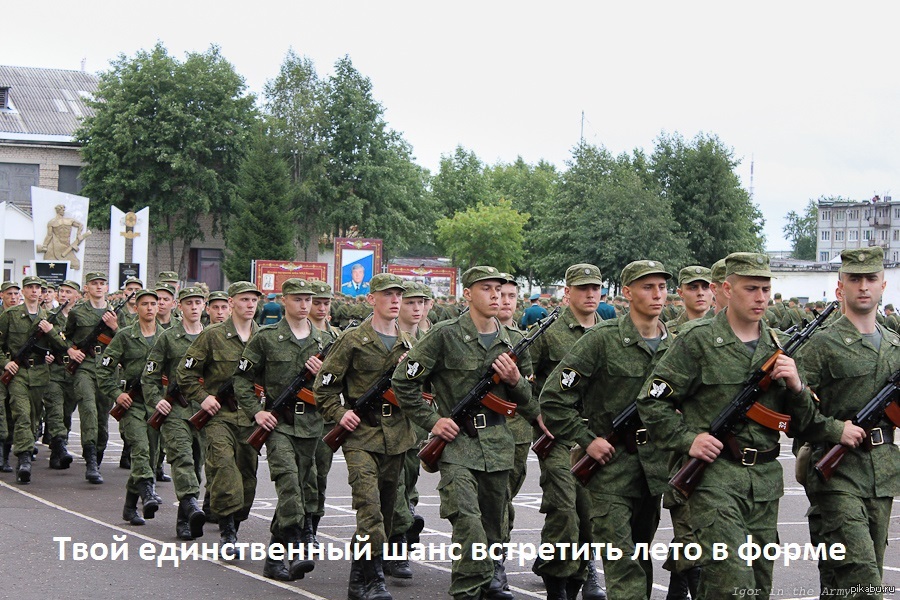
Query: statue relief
(59, 245)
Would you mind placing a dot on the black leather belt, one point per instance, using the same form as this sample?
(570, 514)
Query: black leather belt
(751, 456)
(488, 418)
(878, 436)
(301, 408)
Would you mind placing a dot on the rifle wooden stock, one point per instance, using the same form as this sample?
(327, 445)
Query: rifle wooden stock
(431, 453)
(134, 391)
(587, 467)
(100, 333)
(543, 445)
(200, 418)
(157, 418)
(225, 397)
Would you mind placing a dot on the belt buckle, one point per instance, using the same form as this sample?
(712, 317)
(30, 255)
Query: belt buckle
(30, 362)
(876, 436)
(641, 436)
(122, 383)
(65, 359)
(480, 421)
(300, 408)
(387, 409)
(749, 452)
(98, 349)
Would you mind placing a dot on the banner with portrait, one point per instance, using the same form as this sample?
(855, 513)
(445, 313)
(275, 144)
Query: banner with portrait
(441, 280)
(356, 260)
(270, 275)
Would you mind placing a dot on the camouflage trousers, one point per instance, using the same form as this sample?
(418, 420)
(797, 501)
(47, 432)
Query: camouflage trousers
(861, 525)
(374, 479)
(25, 408)
(135, 432)
(316, 482)
(406, 493)
(676, 504)
(715, 516)
(230, 468)
(625, 522)
(290, 460)
(185, 449)
(516, 480)
(56, 395)
(4, 408)
(475, 503)
(566, 505)
(93, 409)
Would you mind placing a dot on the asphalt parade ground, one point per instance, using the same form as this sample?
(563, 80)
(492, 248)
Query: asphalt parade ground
(63, 504)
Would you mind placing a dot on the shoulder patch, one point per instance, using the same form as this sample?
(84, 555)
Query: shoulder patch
(659, 389)
(107, 360)
(327, 378)
(151, 367)
(244, 364)
(569, 378)
(414, 369)
(190, 362)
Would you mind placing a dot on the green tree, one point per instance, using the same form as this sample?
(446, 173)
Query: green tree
(486, 234)
(801, 231)
(169, 135)
(260, 224)
(714, 212)
(461, 183)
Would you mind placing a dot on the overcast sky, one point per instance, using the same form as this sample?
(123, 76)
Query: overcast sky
(809, 90)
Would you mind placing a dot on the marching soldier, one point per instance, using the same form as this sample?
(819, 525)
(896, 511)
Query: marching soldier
(128, 316)
(230, 461)
(847, 364)
(707, 366)
(185, 446)
(604, 372)
(273, 358)
(10, 292)
(374, 453)
(218, 307)
(693, 289)
(60, 390)
(475, 471)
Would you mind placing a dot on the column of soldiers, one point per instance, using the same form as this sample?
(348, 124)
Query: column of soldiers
(677, 362)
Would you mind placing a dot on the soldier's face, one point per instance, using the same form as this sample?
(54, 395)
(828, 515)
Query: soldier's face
(67, 294)
(321, 308)
(191, 308)
(386, 303)
(861, 291)
(243, 306)
(11, 297)
(411, 311)
(297, 306)
(696, 296)
(147, 308)
(166, 303)
(509, 292)
(32, 292)
(484, 297)
(583, 299)
(647, 295)
(131, 287)
(748, 297)
(97, 289)
(218, 311)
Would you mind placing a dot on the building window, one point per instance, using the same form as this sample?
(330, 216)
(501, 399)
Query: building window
(69, 180)
(4, 98)
(883, 235)
(854, 235)
(839, 215)
(826, 215)
(826, 235)
(839, 236)
(853, 214)
(880, 212)
(897, 235)
(823, 256)
(896, 254)
(205, 266)
(897, 213)
(867, 234)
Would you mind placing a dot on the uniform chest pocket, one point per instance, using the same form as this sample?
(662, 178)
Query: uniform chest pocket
(222, 355)
(722, 375)
(852, 369)
(455, 362)
(368, 362)
(617, 366)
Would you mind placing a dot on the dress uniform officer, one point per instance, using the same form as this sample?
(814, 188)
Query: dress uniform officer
(847, 364)
(706, 367)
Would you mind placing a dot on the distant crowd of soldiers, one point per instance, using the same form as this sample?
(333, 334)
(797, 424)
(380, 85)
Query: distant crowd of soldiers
(626, 389)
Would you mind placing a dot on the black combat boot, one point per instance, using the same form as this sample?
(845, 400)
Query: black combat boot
(182, 527)
(314, 519)
(557, 588)
(91, 470)
(307, 535)
(161, 476)
(125, 459)
(227, 531)
(592, 589)
(5, 467)
(100, 452)
(151, 505)
(374, 578)
(207, 510)
(678, 586)
(23, 471)
(418, 524)
(495, 590)
(398, 569)
(65, 459)
(193, 515)
(274, 568)
(156, 496)
(130, 512)
(573, 586)
(356, 587)
(293, 537)
(693, 579)
(54, 455)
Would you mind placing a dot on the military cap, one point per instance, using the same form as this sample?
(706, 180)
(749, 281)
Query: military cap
(141, 293)
(778, 295)
(217, 295)
(296, 286)
(717, 271)
(820, 304)
(239, 287)
(429, 293)
(133, 280)
(480, 273)
(31, 280)
(694, 273)
(43, 282)
(167, 276)
(747, 264)
(72, 284)
(672, 297)
(862, 260)
(190, 292)
(886, 306)
(162, 286)
(794, 299)
(641, 268)
(320, 289)
(385, 281)
(9, 284)
(507, 278)
(535, 296)
(95, 275)
(583, 274)
(414, 289)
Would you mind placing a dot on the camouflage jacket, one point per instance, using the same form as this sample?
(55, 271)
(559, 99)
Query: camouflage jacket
(164, 358)
(16, 326)
(129, 348)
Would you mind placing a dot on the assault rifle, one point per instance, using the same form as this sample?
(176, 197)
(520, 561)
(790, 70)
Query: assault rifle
(225, 397)
(626, 428)
(101, 333)
(480, 395)
(22, 356)
(365, 407)
(173, 394)
(884, 404)
(744, 406)
(134, 391)
(296, 390)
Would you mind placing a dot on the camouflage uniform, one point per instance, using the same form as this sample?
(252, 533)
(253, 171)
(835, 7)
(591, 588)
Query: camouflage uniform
(474, 471)
(317, 480)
